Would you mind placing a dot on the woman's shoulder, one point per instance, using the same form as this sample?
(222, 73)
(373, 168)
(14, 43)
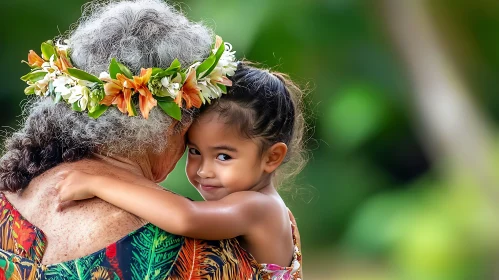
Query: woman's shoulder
(81, 228)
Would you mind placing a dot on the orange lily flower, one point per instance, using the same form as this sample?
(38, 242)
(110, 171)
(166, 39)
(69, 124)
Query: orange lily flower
(146, 100)
(189, 92)
(34, 59)
(119, 93)
(63, 62)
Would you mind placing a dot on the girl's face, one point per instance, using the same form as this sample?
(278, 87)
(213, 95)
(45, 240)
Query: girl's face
(220, 161)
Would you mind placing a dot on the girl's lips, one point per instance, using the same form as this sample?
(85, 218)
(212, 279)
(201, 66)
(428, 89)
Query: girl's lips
(208, 187)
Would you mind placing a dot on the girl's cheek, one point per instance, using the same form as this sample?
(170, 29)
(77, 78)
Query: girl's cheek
(190, 169)
(231, 174)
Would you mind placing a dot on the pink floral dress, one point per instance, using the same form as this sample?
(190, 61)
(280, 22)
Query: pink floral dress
(292, 272)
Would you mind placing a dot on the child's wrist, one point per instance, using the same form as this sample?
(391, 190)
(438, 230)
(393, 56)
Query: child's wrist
(94, 184)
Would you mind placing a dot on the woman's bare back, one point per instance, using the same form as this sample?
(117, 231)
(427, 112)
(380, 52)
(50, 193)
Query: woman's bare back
(82, 227)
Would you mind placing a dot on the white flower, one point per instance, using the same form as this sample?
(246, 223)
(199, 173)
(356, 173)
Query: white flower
(104, 76)
(61, 84)
(41, 86)
(171, 87)
(227, 61)
(51, 67)
(86, 83)
(62, 81)
(78, 94)
(209, 90)
(62, 46)
(216, 75)
(195, 65)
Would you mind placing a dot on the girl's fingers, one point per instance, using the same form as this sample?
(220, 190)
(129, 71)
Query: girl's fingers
(62, 193)
(65, 196)
(63, 205)
(62, 197)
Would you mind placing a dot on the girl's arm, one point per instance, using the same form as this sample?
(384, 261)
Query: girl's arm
(234, 215)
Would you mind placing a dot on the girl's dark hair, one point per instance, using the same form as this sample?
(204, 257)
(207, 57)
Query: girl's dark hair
(268, 106)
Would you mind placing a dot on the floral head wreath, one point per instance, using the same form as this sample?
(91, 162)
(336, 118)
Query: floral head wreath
(53, 75)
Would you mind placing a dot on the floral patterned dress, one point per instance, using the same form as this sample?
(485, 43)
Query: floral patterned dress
(147, 253)
(293, 272)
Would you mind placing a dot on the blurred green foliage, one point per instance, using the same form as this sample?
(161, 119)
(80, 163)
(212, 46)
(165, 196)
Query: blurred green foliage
(369, 195)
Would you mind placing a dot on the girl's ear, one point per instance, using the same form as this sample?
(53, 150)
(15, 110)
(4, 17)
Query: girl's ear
(274, 157)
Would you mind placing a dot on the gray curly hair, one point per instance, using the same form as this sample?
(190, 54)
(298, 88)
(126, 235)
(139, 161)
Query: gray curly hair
(139, 34)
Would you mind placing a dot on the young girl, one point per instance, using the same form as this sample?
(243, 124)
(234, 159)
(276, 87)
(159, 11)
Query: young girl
(234, 149)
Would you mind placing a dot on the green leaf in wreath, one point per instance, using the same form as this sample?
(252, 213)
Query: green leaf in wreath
(34, 76)
(183, 76)
(203, 67)
(164, 98)
(174, 66)
(171, 108)
(48, 50)
(76, 107)
(165, 73)
(98, 111)
(134, 110)
(97, 94)
(82, 75)
(156, 70)
(29, 90)
(115, 67)
(218, 55)
(172, 70)
(222, 87)
(125, 71)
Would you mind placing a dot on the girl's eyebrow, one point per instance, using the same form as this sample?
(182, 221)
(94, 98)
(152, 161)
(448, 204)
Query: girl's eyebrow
(224, 147)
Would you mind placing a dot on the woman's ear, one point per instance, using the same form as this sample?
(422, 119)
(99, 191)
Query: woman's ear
(274, 157)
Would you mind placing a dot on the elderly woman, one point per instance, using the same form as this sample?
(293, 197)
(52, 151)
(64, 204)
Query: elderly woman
(92, 239)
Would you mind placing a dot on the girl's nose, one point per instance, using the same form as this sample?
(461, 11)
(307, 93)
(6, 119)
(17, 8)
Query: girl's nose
(204, 172)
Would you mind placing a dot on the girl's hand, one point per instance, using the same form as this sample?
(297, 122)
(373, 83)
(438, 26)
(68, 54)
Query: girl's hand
(75, 185)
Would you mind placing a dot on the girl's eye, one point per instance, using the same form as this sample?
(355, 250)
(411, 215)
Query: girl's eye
(223, 157)
(193, 151)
